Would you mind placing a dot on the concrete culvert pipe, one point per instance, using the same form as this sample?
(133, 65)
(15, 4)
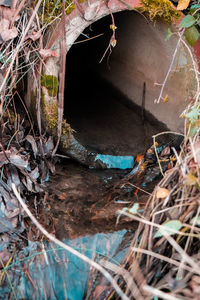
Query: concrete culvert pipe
(103, 101)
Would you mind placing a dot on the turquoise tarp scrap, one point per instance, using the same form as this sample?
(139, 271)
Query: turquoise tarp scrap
(66, 276)
(116, 162)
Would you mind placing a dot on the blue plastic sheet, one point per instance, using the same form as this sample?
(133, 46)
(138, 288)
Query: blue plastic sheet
(116, 162)
(65, 276)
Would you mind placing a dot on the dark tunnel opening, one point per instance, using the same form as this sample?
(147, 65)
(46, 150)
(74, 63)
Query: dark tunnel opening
(103, 118)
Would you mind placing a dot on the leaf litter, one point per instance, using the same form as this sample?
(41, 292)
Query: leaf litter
(25, 161)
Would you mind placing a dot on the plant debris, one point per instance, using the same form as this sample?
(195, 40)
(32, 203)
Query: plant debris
(25, 161)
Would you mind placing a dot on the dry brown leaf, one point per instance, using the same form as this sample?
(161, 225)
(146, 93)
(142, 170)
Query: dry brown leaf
(166, 99)
(113, 27)
(165, 151)
(7, 34)
(45, 53)
(190, 179)
(183, 4)
(27, 52)
(197, 123)
(113, 42)
(8, 13)
(162, 193)
(196, 148)
(4, 257)
(34, 36)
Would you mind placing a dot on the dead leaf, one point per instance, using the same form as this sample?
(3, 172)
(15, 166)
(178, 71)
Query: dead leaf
(113, 43)
(63, 196)
(197, 123)
(162, 193)
(45, 53)
(31, 140)
(34, 36)
(7, 34)
(14, 157)
(166, 151)
(28, 184)
(48, 145)
(139, 157)
(183, 4)
(3, 157)
(166, 99)
(190, 179)
(9, 13)
(19, 160)
(4, 257)
(14, 178)
(27, 52)
(196, 147)
(34, 174)
(113, 27)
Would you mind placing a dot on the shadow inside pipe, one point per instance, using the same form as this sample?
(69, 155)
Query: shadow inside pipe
(103, 118)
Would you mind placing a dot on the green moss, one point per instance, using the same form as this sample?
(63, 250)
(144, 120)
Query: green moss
(66, 128)
(162, 9)
(50, 113)
(51, 83)
(50, 9)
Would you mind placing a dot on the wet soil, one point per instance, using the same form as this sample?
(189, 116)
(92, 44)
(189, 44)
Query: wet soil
(79, 201)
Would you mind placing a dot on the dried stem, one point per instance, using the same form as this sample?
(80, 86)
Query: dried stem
(14, 55)
(61, 78)
(170, 68)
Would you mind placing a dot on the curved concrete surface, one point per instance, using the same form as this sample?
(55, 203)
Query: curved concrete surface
(141, 55)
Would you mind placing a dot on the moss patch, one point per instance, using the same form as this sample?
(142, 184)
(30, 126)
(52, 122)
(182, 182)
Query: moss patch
(50, 113)
(162, 9)
(50, 9)
(51, 83)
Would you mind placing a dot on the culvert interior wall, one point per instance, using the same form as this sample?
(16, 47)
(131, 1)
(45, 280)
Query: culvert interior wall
(103, 101)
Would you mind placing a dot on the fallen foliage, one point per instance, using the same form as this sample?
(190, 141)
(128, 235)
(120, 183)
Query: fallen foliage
(25, 161)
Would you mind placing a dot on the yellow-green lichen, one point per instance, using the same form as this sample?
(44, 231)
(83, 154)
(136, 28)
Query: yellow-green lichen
(162, 9)
(51, 83)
